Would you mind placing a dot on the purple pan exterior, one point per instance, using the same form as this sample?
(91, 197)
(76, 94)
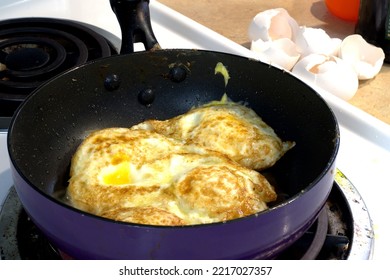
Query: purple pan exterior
(263, 236)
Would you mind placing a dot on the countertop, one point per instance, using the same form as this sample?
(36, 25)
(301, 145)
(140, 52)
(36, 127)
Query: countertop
(231, 18)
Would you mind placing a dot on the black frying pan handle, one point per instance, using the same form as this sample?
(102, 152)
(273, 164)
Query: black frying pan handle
(134, 20)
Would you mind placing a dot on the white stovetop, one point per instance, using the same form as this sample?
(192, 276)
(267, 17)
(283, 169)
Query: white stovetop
(364, 155)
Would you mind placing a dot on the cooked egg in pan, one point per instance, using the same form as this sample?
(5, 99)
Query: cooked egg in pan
(196, 168)
(226, 127)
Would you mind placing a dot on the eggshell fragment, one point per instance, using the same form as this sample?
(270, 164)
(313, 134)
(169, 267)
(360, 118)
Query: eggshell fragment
(282, 52)
(315, 40)
(325, 63)
(272, 25)
(329, 73)
(366, 59)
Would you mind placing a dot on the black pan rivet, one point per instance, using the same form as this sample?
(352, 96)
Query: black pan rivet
(178, 74)
(112, 82)
(146, 96)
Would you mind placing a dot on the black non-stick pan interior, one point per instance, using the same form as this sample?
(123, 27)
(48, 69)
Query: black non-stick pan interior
(111, 93)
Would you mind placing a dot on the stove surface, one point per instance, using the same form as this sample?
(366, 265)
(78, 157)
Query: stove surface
(364, 155)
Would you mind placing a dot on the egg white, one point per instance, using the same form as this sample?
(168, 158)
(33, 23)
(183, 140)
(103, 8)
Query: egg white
(121, 173)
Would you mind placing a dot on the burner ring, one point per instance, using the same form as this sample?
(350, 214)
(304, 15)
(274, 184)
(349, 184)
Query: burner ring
(31, 57)
(63, 43)
(80, 42)
(27, 59)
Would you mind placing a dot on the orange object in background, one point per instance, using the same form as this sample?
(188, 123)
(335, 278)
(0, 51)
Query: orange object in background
(344, 9)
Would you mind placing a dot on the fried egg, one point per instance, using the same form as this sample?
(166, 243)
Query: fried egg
(142, 176)
(226, 127)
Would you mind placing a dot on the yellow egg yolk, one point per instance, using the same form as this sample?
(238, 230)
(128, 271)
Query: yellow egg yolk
(119, 175)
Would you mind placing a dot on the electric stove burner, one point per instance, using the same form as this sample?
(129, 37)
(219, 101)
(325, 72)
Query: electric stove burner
(342, 231)
(33, 50)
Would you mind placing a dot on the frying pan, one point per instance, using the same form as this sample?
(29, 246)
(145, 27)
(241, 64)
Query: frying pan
(126, 89)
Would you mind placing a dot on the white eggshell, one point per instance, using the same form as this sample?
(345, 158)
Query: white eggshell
(329, 73)
(315, 40)
(272, 24)
(282, 52)
(366, 59)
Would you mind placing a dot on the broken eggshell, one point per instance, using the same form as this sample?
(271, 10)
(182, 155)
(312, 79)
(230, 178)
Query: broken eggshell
(329, 73)
(277, 39)
(325, 63)
(315, 40)
(366, 59)
(272, 34)
(282, 52)
(272, 25)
